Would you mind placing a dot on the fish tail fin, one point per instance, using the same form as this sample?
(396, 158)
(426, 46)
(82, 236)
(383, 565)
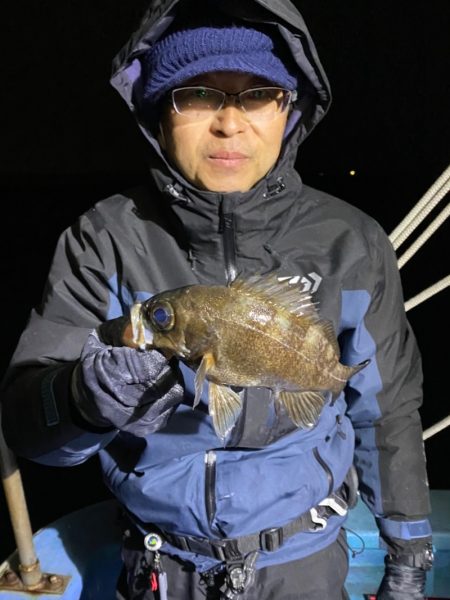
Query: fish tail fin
(225, 406)
(303, 408)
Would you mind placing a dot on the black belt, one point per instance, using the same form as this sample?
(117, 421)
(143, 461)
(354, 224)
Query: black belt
(268, 539)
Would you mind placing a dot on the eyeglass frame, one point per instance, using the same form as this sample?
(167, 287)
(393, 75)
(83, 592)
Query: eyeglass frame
(291, 98)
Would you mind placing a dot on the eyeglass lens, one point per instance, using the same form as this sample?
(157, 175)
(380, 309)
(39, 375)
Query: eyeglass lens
(198, 102)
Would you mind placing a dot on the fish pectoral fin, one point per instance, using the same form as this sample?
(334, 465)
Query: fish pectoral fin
(206, 365)
(224, 408)
(303, 408)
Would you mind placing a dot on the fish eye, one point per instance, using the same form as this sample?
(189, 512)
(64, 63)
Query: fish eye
(162, 317)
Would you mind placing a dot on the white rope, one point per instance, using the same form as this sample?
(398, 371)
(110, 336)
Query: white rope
(427, 293)
(431, 198)
(423, 207)
(429, 195)
(432, 227)
(408, 229)
(436, 428)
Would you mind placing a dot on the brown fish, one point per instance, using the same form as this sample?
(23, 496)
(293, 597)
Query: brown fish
(255, 332)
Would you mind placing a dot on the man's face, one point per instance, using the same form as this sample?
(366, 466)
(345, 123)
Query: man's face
(228, 151)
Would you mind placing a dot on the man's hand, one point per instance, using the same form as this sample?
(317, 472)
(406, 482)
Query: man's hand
(125, 388)
(405, 576)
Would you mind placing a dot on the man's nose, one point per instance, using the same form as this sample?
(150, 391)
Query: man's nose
(229, 120)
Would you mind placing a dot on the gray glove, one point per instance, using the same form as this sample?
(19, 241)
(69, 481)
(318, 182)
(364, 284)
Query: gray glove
(123, 388)
(405, 576)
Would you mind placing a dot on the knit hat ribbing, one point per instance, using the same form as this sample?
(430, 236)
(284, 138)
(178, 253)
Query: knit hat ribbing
(184, 54)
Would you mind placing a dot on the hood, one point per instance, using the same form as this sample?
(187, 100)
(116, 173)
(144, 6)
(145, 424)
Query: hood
(314, 91)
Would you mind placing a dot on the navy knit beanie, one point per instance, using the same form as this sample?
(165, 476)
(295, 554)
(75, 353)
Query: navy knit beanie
(187, 53)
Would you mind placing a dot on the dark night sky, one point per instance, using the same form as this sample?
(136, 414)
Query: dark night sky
(68, 141)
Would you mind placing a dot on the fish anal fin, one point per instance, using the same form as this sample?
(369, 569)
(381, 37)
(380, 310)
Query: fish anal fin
(303, 408)
(206, 364)
(225, 406)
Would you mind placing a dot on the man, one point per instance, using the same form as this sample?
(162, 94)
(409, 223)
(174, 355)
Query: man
(224, 100)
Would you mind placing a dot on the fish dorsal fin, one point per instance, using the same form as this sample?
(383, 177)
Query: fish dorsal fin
(328, 331)
(289, 296)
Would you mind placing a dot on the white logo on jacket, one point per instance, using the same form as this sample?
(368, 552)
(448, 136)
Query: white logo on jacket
(310, 282)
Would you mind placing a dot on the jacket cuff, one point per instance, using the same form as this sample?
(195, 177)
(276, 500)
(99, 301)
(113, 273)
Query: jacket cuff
(38, 417)
(404, 530)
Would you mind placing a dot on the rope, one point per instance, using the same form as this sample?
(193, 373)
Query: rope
(432, 227)
(439, 189)
(427, 293)
(421, 216)
(436, 428)
(424, 206)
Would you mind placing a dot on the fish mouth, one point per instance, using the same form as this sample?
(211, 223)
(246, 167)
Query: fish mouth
(142, 336)
(148, 336)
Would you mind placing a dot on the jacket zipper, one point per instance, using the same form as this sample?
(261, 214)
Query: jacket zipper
(327, 470)
(227, 228)
(210, 485)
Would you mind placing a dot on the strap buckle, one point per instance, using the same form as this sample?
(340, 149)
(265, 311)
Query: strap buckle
(319, 522)
(320, 517)
(336, 503)
(225, 550)
(271, 539)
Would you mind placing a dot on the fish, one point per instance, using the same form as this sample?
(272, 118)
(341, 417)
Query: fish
(256, 331)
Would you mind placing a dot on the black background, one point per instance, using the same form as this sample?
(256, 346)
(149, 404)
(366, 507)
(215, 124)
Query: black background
(68, 140)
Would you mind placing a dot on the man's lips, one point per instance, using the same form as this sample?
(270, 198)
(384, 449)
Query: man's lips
(223, 159)
(225, 155)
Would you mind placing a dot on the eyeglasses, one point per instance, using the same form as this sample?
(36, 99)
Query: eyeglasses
(198, 102)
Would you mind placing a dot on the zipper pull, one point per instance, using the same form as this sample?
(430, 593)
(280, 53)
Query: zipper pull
(339, 430)
(175, 193)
